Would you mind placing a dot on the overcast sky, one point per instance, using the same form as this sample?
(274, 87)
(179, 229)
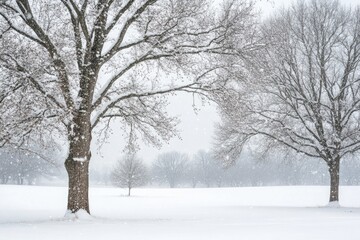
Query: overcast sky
(197, 128)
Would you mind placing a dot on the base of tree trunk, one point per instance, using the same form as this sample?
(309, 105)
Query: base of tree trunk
(334, 204)
(79, 215)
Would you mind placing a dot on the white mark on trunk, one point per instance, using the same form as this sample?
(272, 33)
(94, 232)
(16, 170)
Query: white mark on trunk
(80, 159)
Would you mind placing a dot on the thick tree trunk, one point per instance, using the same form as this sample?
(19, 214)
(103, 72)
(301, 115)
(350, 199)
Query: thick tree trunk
(77, 165)
(78, 191)
(334, 170)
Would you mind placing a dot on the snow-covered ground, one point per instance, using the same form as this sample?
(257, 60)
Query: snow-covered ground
(279, 213)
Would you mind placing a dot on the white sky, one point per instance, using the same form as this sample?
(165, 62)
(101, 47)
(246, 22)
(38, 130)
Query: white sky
(197, 129)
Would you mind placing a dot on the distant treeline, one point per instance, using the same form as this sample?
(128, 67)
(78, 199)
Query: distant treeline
(174, 169)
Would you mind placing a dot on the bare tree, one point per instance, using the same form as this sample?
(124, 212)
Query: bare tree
(207, 166)
(192, 175)
(129, 172)
(85, 62)
(26, 166)
(306, 94)
(170, 167)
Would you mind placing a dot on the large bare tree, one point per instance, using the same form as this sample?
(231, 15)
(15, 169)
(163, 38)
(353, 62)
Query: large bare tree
(305, 92)
(72, 64)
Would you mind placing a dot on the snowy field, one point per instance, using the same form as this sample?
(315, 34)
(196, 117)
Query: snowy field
(279, 213)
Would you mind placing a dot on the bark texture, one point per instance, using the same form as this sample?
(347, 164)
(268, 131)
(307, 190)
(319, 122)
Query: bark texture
(77, 165)
(334, 170)
(78, 190)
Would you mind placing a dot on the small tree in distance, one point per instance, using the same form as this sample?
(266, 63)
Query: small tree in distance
(129, 172)
(206, 166)
(170, 167)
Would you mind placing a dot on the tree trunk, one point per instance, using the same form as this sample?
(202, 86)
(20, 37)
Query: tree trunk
(20, 180)
(194, 182)
(78, 190)
(77, 165)
(334, 170)
(129, 191)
